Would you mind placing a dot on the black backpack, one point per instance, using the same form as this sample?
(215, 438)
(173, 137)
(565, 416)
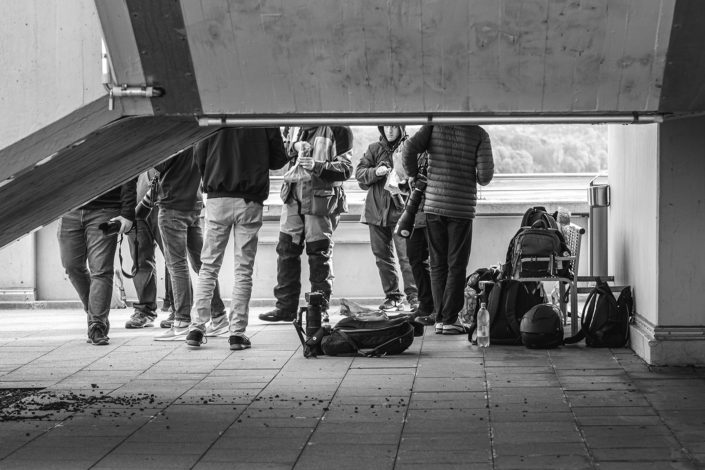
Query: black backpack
(605, 320)
(534, 245)
(350, 337)
(468, 316)
(508, 301)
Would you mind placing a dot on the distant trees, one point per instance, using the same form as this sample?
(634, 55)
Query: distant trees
(527, 148)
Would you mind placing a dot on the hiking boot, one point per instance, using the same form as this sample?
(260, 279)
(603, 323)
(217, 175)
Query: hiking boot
(239, 341)
(175, 333)
(195, 338)
(278, 315)
(217, 326)
(453, 329)
(439, 328)
(169, 322)
(140, 320)
(96, 337)
(390, 304)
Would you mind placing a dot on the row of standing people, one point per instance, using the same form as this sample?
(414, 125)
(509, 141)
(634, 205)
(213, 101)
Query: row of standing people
(232, 166)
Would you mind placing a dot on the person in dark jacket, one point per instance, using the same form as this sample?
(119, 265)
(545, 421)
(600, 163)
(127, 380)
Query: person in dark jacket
(82, 241)
(313, 198)
(459, 158)
(180, 202)
(381, 213)
(234, 164)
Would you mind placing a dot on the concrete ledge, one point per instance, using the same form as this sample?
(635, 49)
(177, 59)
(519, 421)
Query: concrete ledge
(683, 345)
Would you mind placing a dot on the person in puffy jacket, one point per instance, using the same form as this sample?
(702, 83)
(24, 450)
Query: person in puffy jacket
(459, 158)
(381, 213)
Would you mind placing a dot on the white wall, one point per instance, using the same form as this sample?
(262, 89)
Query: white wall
(634, 213)
(50, 63)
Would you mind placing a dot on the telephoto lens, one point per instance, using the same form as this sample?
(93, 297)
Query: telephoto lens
(405, 225)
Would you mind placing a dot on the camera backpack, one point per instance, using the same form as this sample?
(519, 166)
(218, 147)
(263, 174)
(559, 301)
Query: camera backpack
(508, 301)
(605, 320)
(350, 337)
(542, 327)
(533, 249)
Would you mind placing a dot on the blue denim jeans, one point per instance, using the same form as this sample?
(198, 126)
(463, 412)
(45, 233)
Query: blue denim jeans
(183, 241)
(81, 242)
(449, 242)
(384, 243)
(243, 219)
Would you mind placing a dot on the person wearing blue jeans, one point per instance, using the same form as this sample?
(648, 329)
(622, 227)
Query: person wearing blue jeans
(82, 241)
(234, 164)
(180, 203)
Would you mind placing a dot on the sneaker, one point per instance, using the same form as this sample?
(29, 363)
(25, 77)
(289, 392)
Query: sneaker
(217, 326)
(239, 341)
(169, 322)
(140, 320)
(195, 338)
(454, 329)
(175, 333)
(390, 304)
(278, 315)
(96, 337)
(413, 303)
(439, 328)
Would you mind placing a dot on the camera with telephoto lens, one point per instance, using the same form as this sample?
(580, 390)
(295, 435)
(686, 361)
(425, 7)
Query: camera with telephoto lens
(405, 225)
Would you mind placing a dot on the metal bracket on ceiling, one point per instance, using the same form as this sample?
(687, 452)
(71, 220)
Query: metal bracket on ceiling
(123, 90)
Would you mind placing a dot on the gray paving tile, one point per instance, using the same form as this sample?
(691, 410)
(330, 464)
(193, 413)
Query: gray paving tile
(542, 462)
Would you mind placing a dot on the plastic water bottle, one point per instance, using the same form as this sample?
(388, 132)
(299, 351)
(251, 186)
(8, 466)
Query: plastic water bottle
(483, 326)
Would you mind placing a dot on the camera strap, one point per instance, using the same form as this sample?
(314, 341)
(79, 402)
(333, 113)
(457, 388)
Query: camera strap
(137, 257)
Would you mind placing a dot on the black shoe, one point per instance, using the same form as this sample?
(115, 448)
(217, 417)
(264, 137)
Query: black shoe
(239, 341)
(278, 315)
(195, 338)
(96, 337)
(426, 320)
(169, 322)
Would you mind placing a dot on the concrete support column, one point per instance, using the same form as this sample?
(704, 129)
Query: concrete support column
(657, 225)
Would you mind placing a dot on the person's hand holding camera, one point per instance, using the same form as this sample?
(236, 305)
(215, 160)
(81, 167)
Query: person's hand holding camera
(125, 224)
(382, 170)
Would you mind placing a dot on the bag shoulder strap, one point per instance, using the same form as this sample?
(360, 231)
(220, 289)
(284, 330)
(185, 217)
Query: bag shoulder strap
(510, 307)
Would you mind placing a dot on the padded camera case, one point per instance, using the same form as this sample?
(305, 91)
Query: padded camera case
(542, 327)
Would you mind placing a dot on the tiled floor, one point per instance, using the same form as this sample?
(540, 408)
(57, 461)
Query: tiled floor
(443, 404)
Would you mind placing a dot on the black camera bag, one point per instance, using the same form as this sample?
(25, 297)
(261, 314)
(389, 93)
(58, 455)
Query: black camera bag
(350, 337)
(508, 301)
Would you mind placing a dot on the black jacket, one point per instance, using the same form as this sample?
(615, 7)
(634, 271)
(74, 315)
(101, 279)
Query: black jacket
(123, 197)
(179, 183)
(235, 161)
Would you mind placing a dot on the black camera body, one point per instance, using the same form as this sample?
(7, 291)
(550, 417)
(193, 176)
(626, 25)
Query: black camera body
(311, 336)
(110, 228)
(405, 225)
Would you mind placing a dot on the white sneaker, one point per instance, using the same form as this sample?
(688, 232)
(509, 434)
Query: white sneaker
(218, 326)
(439, 328)
(174, 333)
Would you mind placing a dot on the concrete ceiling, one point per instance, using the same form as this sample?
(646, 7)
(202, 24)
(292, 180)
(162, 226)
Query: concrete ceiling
(401, 57)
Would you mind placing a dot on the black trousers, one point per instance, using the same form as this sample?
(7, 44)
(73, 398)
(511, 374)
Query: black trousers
(449, 242)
